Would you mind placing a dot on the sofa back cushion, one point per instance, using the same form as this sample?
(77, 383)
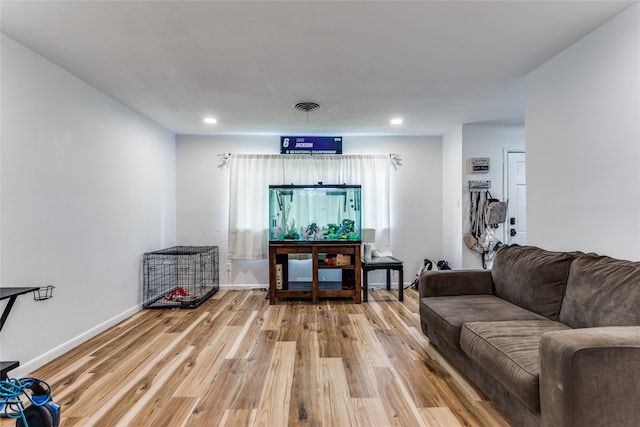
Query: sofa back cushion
(602, 291)
(532, 278)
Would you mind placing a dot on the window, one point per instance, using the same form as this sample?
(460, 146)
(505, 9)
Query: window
(251, 175)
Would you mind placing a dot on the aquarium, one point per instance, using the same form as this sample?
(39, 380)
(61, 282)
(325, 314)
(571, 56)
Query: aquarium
(314, 212)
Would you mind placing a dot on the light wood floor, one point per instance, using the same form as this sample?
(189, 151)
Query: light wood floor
(237, 361)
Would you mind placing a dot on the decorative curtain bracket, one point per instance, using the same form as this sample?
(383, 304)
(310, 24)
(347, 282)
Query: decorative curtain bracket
(395, 160)
(224, 159)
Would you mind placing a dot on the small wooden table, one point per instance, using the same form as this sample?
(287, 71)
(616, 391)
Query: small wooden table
(11, 294)
(382, 263)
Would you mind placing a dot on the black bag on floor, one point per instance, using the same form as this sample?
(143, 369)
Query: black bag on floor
(443, 265)
(426, 265)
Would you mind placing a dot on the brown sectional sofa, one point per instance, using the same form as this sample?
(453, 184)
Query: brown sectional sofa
(552, 338)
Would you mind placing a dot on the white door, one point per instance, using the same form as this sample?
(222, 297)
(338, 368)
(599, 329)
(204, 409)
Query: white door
(516, 225)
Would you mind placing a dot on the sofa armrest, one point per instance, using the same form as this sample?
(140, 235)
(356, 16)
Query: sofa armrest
(590, 377)
(455, 282)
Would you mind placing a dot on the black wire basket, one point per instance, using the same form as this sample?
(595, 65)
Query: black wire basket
(43, 293)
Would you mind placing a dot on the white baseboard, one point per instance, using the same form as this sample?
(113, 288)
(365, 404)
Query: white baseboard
(251, 287)
(26, 368)
(243, 287)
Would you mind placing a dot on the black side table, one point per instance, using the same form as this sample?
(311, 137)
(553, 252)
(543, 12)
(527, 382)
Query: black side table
(382, 263)
(11, 294)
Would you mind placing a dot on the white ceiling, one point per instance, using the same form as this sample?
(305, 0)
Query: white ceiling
(437, 64)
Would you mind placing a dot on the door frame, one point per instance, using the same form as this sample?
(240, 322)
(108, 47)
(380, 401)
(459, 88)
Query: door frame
(505, 185)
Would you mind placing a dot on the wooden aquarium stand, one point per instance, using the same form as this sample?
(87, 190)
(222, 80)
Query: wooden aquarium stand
(344, 256)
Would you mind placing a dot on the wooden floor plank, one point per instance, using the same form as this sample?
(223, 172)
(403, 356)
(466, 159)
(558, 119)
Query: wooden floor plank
(304, 408)
(238, 418)
(418, 379)
(468, 388)
(276, 391)
(371, 349)
(439, 417)
(208, 364)
(211, 407)
(202, 334)
(237, 361)
(298, 317)
(257, 367)
(274, 317)
(144, 399)
(108, 397)
(247, 334)
(65, 375)
(329, 334)
(99, 389)
(359, 356)
(244, 308)
(370, 412)
(336, 404)
(400, 410)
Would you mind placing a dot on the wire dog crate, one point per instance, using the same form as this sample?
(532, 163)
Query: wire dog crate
(181, 276)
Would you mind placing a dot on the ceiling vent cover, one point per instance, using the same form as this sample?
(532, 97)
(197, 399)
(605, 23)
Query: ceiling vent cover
(307, 106)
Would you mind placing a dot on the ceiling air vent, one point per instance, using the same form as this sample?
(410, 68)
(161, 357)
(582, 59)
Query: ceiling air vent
(307, 106)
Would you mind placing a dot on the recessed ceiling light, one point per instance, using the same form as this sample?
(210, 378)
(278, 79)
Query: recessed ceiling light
(210, 120)
(397, 121)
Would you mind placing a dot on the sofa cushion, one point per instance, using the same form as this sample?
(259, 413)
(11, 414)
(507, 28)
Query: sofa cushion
(532, 278)
(446, 315)
(602, 291)
(509, 351)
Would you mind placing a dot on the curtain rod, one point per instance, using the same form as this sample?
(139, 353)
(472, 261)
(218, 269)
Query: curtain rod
(225, 158)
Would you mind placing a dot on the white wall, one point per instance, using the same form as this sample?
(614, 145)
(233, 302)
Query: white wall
(583, 143)
(486, 140)
(88, 186)
(416, 197)
(452, 220)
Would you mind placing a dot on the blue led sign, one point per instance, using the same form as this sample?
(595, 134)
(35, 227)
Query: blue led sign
(310, 145)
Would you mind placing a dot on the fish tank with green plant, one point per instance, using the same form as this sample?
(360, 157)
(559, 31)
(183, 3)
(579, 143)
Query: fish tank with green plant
(306, 213)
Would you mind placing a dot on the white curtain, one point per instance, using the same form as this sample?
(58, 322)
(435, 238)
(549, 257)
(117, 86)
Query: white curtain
(251, 175)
